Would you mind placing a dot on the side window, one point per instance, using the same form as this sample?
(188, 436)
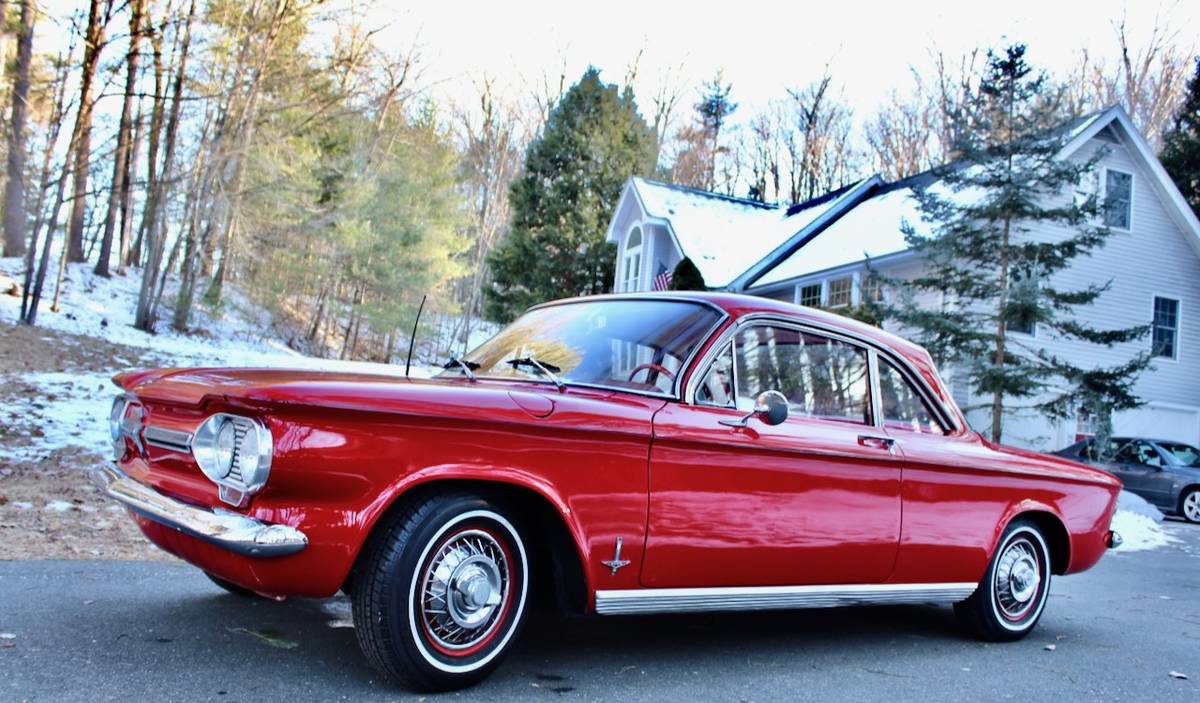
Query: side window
(1139, 453)
(716, 388)
(821, 377)
(903, 406)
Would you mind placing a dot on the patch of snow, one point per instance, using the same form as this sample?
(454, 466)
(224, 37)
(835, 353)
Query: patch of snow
(59, 506)
(22, 505)
(723, 236)
(1139, 532)
(1134, 503)
(69, 409)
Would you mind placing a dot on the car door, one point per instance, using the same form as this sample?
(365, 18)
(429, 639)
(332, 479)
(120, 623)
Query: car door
(813, 500)
(1140, 467)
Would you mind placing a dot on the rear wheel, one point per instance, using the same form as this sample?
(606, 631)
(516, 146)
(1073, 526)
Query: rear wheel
(1009, 600)
(442, 592)
(1189, 505)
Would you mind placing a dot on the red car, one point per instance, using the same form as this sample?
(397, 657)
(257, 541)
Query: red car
(623, 454)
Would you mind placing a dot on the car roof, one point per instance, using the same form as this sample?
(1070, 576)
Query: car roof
(738, 305)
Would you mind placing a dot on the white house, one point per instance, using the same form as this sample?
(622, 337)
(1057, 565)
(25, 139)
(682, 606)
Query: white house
(816, 253)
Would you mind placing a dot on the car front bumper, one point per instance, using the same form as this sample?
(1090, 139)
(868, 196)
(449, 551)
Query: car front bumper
(237, 533)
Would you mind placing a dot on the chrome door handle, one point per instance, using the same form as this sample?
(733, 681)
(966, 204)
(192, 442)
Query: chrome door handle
(888, 443)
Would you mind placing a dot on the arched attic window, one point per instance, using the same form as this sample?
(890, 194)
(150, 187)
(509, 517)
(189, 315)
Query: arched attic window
(631, 263)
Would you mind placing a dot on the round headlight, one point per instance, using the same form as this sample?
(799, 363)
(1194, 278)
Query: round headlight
(226, 445)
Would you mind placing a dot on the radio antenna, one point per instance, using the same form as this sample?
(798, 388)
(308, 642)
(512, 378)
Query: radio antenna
(412, 341)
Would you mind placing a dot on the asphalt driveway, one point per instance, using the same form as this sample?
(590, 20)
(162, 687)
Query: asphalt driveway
(89, 631)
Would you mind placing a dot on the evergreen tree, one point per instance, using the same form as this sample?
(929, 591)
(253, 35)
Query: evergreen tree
(992, 277)
(1181, 145)
(687, 277)
(593, 141)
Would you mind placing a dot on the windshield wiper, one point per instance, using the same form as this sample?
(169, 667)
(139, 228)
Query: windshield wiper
(547, 369)
(468, 367)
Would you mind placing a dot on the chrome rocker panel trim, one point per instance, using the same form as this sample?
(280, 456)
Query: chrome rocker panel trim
(699, 600)
(237, 533)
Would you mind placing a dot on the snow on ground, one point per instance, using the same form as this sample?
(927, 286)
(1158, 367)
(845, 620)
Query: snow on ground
(68, 410)
(1139, 532)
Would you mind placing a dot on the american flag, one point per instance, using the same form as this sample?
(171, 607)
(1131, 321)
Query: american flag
(663, 280)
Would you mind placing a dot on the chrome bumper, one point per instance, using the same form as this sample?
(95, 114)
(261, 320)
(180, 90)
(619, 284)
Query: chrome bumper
(237, 533)
(1112, 540)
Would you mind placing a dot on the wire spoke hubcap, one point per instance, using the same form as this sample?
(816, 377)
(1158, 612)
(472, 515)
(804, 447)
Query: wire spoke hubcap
(464, 589)
(1018, 579)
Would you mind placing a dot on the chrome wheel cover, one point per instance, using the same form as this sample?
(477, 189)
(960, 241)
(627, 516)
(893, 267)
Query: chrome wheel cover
(1018, 579)
(464, 590)
(1191, 506)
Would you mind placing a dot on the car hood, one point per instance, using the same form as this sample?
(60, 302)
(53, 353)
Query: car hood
(266, 389)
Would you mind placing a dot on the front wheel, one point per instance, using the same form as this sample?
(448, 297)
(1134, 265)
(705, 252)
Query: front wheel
(442, 592)
(1010, 598)
(1189, 505)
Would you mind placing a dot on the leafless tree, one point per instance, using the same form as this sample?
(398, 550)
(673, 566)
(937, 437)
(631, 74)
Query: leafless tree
(14, 187)
(99, 13)
(119, 187)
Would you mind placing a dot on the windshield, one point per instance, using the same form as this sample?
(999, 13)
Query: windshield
(1183, 454)
(638, 345)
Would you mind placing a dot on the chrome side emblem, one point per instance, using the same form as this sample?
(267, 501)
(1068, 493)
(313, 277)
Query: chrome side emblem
(616, 562)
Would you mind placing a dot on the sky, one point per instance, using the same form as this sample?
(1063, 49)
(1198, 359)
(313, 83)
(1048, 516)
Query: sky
(762, 47)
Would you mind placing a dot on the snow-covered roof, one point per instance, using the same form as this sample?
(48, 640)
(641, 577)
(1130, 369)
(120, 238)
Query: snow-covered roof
(723, 235)
(870, 230)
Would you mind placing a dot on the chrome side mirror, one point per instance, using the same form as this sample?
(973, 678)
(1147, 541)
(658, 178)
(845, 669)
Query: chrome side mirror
(771, 407)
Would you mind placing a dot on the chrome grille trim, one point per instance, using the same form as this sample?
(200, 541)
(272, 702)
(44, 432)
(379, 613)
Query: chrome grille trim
(175, 440)
(698, 600)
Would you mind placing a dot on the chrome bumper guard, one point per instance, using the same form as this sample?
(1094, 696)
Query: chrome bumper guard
(237, 533)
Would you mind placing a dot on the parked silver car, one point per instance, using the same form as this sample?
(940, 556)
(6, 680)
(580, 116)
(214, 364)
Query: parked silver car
(1163, 472)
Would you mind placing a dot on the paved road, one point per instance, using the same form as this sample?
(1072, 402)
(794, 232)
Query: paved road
(90, 631)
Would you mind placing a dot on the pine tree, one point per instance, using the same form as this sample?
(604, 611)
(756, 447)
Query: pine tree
(992, 277)
(1181, 145)
(687, 277)
(593, 141)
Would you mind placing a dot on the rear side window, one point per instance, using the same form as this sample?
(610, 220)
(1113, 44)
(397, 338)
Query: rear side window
(821, 377)
(903, 407)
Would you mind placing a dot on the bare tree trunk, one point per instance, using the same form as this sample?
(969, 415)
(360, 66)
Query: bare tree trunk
(120, 185)
(155, 239)
(44, 185)
(14, 188)
(155, 127)
(98, 15)
(131, 166)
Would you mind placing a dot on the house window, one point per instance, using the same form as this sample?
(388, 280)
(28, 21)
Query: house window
(839, 292)
(810, 295)
(1118, 199)
(871, 289)
(631, 264)
(1166, 328)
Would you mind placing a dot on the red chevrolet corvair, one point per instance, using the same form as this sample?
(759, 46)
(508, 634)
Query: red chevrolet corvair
(621, 454)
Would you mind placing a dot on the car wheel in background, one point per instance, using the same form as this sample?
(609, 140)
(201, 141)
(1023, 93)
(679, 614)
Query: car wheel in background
(1189, 505)
(1010, 598)
(441, 592)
